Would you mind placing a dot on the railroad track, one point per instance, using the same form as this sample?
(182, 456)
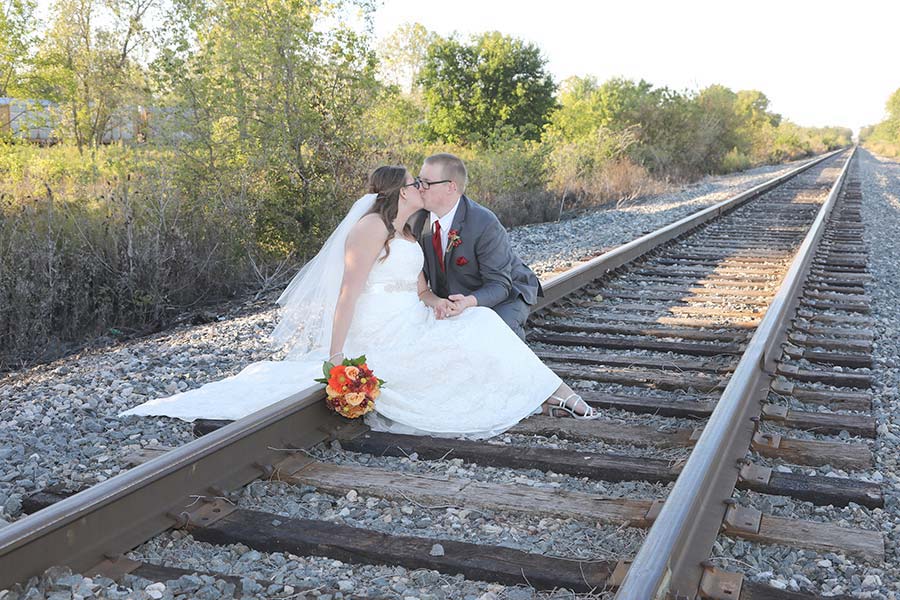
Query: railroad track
(728, 351)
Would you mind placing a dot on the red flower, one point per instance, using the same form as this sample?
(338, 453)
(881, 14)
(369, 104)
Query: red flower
(453, 238)
(461, 261)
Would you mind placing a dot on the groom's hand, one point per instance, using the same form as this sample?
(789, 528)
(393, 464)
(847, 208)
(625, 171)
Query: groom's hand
(461, 302)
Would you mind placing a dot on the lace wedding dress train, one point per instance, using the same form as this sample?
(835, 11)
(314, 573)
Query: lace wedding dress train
(466, 376)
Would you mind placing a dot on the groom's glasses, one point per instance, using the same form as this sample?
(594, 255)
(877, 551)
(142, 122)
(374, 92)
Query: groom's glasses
(427, 184)
(416, 183)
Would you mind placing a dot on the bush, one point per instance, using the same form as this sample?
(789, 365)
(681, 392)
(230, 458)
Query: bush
(735, 160)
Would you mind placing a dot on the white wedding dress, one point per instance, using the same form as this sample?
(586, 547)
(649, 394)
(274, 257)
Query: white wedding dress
(465, 376)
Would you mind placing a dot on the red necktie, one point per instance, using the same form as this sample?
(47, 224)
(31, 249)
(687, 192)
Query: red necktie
(436, 244)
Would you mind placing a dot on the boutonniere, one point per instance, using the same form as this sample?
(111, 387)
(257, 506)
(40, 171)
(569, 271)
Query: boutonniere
(461, 261)
(453, 239)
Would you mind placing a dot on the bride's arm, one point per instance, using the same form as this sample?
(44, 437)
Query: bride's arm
(442, 307)
(425, 294)
(364, 244)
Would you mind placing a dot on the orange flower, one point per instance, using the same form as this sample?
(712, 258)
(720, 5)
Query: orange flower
(354, 398)
(337, 378)
(352, 373)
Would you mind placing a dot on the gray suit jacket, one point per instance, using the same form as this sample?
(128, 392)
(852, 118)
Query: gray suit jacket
(483, 264)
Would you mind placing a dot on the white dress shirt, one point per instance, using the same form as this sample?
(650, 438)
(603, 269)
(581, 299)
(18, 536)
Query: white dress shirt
(446, 223)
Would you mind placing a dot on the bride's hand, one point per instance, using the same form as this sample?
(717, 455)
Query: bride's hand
(336, 358)
(443, 309)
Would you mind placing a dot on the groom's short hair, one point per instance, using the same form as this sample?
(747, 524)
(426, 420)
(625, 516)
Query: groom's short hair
(452, 167)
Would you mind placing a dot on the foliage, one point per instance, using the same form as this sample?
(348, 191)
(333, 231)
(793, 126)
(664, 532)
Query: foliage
(402, 56)
(492, 87)
(17, 24)
(884, 137)
(90, 70)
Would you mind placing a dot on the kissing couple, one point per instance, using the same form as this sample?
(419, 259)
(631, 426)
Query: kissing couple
(423, 281)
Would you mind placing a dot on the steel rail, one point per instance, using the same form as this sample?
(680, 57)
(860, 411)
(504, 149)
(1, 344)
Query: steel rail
(578, 277)
(670, 560)
(120, 513)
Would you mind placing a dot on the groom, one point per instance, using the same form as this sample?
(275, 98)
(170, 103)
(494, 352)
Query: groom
(468, 258)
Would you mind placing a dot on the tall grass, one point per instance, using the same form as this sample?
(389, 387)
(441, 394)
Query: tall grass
(106, 246)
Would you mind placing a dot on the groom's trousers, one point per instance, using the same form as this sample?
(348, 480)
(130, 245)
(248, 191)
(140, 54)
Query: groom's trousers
(514, 313)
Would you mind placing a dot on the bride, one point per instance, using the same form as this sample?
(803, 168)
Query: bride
(467, 375)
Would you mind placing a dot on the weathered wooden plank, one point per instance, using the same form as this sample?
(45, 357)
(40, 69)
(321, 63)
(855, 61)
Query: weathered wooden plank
(702, 275)
(819, 490)
(834, 278)
(824, 287)
(356, 545)
(41, 499)
(680, 310)
(643, 378)
(701, 407)
(601, 466)
(830, 357)
(841, 320)
(429, 491)
(710, 335)
(712, 283)
(611, 433)
(843, 344)
(823, 537)
(671, 297)
(204, 426)
(650, 321)
(641, 291)
(846, 455)
(837, 400)
(838, 297)
(836, 378)
(694, 407)
(848, 333)
(861, 425)
(632, 343)
(827, 305)
(663, 363)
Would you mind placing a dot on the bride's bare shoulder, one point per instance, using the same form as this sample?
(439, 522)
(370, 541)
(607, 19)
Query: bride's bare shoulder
(370, 228)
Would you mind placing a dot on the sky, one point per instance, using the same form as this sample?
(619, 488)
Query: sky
(819, 63)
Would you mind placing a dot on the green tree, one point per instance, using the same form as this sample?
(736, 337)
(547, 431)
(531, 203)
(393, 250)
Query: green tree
(474, 92)
(17, 26)
(264, 102)
(402, 55)
(89, 70)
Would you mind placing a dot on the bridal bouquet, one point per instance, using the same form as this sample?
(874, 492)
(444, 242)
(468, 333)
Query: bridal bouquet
(351, 387)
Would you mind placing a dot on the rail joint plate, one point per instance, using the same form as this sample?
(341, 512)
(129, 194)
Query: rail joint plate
(717, 584)
(756, 474)
(741, 519)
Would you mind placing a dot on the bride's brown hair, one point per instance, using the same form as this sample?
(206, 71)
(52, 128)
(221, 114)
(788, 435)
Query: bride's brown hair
(387, 182)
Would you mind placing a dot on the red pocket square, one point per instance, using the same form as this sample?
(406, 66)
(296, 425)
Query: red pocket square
(462, 260)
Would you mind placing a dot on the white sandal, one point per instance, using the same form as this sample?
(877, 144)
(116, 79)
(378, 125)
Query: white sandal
(589, 414)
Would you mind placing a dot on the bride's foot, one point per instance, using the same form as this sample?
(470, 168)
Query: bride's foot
(572, 404)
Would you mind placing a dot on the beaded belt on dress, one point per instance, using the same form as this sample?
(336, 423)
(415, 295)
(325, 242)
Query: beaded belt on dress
(391, 286)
